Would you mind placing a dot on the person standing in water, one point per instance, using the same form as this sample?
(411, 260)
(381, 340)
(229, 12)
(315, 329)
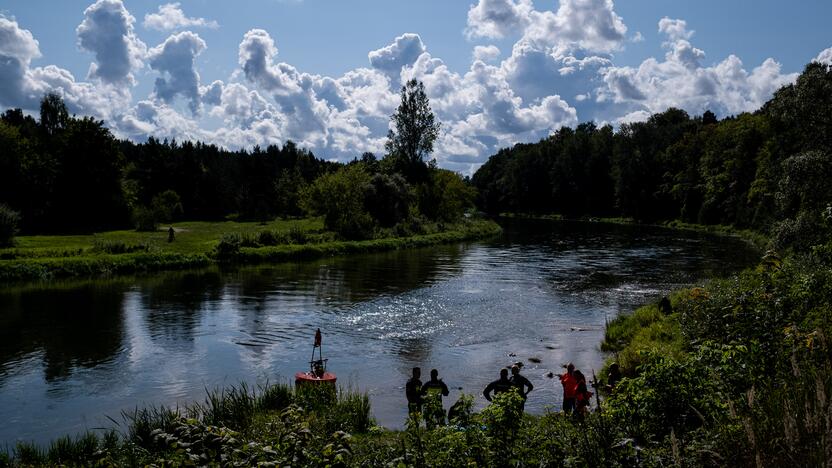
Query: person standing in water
(521, 384)
(433, 390)
(413, 391)
(503, 384)
(570, 388)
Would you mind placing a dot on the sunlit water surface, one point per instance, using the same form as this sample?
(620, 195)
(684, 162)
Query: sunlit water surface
(72, 354)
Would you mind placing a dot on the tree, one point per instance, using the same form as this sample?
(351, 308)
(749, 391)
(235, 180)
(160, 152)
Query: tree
(53, 114)
(9, 222)
(340, 198)
(415, 131)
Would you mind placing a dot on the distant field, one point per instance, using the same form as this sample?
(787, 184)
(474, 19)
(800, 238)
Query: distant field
(192, 237)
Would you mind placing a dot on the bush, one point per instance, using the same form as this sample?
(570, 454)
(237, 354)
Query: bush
(167, 206)
(229, 246)
(118, 247)
(145, 219)
(9, 223)
(340, 198)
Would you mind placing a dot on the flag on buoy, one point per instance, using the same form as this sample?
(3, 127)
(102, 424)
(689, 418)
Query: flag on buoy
(318, 338)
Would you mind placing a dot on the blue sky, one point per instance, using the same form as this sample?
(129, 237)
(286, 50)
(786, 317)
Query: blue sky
(497, 71)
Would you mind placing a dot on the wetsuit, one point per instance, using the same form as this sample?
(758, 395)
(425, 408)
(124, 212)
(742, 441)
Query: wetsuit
(498, 386)
(435, 386)
(521, 384)
(413, 391)
(435, 389)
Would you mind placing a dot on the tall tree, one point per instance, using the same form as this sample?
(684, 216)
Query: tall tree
(415, 131)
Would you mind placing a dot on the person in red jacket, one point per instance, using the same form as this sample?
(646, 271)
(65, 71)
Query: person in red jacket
(570, 387)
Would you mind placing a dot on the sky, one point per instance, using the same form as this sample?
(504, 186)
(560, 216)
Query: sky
(327, 73)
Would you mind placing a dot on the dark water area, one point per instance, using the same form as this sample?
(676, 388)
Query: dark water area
(73, 353)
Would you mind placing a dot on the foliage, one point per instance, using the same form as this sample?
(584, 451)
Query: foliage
(339, 197)
(167, 206)
(388, 199)
(229, 246)
(9, 223)
(145, 219)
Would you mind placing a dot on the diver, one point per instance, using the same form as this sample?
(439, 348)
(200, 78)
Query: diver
(413, 391)
(521, 384)
(503, 384)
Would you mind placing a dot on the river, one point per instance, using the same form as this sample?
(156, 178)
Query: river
(74, 353)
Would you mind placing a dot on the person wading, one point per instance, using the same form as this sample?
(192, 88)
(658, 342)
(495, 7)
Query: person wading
(413, 391)
(570, 388)
(582, 395)
(434, 389)
(522, 384)
(503, 384)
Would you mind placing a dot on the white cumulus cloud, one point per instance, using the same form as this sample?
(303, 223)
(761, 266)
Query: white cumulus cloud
(107, 32)
(170, 16)
(175, 60)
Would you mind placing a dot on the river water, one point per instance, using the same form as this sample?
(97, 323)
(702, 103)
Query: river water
(74, 353)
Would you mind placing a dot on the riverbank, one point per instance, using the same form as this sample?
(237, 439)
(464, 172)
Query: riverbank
(757, 239)
(195, 246)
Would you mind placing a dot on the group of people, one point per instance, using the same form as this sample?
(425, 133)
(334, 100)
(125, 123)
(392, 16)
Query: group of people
(576, 395)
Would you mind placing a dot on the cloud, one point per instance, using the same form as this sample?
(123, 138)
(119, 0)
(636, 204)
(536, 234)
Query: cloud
(486, 53)
(587, 25)
(24, 86)
(680, 80)
(496, 19)
(824, 57)
(17, 49)
(107, 32)
(675, 29)
(402, 52)
(170, 16)
(175, 60)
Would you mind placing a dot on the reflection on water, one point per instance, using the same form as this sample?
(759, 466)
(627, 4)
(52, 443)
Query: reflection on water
(73, 353)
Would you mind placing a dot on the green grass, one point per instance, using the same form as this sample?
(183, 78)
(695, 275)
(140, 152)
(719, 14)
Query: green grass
(127, 252)
(631, 336)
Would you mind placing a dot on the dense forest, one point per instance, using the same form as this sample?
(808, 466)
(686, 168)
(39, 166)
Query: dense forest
(65, 174)
(769, 171)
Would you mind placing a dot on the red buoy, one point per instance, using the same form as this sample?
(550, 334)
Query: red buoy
(317, 373)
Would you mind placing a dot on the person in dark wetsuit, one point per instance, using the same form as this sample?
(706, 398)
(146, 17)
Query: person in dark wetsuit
(503, 384)
(433, 390)
(413, 391)
(521, 384)
(435, 385)
(614, 376)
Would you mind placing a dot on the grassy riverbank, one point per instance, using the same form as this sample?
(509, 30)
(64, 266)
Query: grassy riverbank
(195, 245)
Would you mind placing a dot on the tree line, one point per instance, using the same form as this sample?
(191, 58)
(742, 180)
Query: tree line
(769, 170)
(66, 174)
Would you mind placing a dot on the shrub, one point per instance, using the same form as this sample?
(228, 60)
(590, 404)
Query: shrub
(9, 223)
(298, 235)
(118, 247)
(272, 238)
(145, 219)
(167, 206)
(229, 246)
